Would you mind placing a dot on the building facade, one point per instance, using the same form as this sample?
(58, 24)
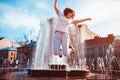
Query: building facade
(101, 54)
(98, 46)
(26, 54)
(6, 42)
(9, 53)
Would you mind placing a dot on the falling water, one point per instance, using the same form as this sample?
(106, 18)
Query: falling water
(44, 50)
(78, 36)
(112, 57)
(44, 45)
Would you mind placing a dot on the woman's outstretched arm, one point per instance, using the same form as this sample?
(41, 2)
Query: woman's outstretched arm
(81, 20)
(56, 7)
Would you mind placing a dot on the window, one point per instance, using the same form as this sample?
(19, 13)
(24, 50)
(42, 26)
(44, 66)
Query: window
(12, 54)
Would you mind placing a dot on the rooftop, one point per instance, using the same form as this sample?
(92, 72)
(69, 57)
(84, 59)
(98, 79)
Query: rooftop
(8, 48)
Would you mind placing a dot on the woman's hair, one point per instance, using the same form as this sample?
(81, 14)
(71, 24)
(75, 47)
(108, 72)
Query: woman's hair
(68, 10)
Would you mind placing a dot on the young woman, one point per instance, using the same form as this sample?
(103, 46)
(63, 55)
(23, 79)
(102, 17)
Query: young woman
(61, 36)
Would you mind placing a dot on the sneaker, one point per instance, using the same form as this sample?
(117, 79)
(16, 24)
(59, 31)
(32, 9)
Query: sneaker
(60, 55)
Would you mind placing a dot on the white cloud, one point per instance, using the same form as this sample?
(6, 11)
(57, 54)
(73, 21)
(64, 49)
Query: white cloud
(17, 17)
(105, 15)
(40, 4)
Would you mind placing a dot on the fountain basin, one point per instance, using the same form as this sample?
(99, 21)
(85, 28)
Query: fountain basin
(115, 72)
(57, 73)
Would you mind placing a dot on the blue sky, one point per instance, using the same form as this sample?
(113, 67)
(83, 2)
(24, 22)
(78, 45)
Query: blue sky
(19, 17)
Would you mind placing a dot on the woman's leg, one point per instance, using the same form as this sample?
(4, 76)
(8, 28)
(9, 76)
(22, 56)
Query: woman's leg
(56, 43)
(65, 44)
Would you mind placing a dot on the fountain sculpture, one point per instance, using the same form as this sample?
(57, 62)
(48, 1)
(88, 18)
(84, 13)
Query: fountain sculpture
(112, 58)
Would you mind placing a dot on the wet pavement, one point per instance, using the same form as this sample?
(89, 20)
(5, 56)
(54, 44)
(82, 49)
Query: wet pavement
(25, 76)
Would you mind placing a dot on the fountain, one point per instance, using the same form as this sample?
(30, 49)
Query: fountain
(112, 58)
(49, 65)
